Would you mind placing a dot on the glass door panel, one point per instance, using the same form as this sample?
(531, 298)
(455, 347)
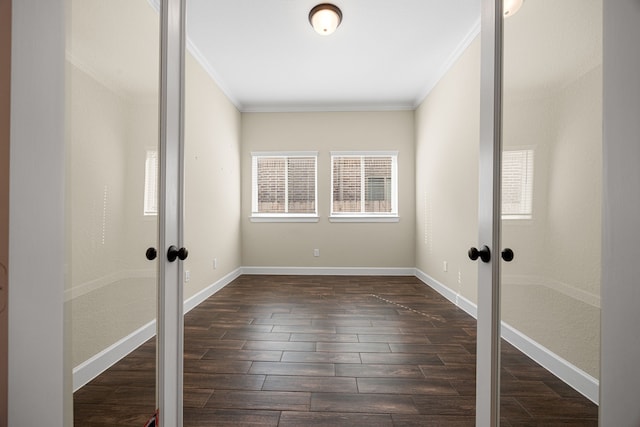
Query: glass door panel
(112, 91)
(551, 204)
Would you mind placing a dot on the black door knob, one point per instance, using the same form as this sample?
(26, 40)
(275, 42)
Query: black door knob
(151, 254)
(507, 255)
(484, 254)
(174, 253)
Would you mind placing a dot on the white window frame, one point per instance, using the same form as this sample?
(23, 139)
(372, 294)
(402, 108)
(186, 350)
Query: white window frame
(281, 217)
(368, 216)
(150, 197)
(526, 185)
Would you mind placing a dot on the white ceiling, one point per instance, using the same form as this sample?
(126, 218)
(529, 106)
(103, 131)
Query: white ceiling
(385, 55)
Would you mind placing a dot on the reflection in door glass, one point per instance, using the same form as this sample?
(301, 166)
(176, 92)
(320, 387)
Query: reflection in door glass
(112, 67)
(551, 195)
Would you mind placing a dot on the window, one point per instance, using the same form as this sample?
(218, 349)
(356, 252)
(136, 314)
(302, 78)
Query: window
(517, 184)
(284, 186)
(364, 184)
(151, 183)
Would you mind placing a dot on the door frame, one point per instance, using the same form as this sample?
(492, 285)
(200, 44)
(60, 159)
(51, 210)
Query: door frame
(170, 312)
(619, 354)
(39, 388)
(5, 116)
(489, 221)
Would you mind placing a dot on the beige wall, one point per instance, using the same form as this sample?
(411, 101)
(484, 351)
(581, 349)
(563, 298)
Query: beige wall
(575, 190)
(212, 181)
(340, 244)
(447, 131)
(110, 286)
(564, 127)
(5, 107)
(551, 291)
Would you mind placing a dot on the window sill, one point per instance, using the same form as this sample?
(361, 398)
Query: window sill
(517, 217)
(513, 221)
(284, 218)
(394, 218)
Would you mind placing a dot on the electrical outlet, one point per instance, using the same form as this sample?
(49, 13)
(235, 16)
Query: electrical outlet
(316, 252)
(215, 263)
(187, 276)
(445, 266)
(459, 276)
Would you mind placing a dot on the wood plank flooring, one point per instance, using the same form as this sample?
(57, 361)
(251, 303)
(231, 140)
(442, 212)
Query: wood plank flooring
(330, 351)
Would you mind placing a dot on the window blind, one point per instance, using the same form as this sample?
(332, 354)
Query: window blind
(151, 183)
(364, 184)
(284, 184)
(347, 184)
(517, 184)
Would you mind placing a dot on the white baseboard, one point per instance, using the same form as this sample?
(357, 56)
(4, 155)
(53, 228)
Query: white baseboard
(457, 299)
(581, 381)
(331, 271)
(91, 368)
(195, 300)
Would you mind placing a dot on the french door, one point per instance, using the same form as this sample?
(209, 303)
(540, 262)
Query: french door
(539, 248)
(124, 89)
(125, 62)
(170, 329)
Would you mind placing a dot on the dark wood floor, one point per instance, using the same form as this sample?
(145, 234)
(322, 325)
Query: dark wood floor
(330, 351)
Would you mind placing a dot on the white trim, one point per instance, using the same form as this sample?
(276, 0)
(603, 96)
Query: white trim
(457, 53)
(518, 217)
(331, 271)
(195, 300)
(575, 377)
(364, 218)
(567, 372)
(468, 306)
(287, 108)
(94, 366)
(283, 218)
(200, 59)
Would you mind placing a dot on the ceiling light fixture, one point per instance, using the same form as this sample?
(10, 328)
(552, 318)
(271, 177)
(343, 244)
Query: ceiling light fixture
(511, 7)
(325, 18)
